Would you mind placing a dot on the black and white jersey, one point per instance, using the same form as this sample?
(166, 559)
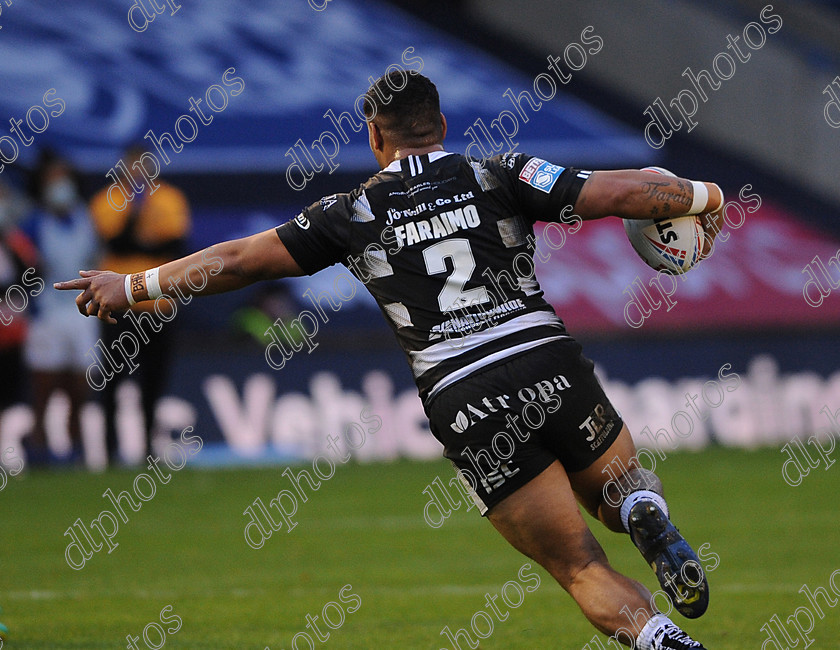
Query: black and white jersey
(445, 245)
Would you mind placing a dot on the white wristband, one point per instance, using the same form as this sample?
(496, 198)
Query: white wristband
(701, 198)
(128, 296)
(153, 283)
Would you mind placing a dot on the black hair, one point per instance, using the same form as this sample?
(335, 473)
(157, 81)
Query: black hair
(407, 107)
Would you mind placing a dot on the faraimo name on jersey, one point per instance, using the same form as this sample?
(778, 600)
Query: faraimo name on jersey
(436, 227)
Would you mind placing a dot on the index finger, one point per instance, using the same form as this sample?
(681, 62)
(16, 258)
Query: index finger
(78, 283)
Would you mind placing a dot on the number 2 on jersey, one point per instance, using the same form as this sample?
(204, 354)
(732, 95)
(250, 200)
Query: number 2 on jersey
(453, 295)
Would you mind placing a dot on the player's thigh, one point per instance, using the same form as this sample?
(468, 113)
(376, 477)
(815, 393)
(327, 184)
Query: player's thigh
(542, 520)
(505, 425)
(472, 419)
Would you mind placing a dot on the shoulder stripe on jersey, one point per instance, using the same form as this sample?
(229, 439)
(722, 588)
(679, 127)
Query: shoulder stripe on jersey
(512, 231)
(375, 263)
(361, 210)
(415, 165)
(484, 178)
(398, 314)
(397, 165)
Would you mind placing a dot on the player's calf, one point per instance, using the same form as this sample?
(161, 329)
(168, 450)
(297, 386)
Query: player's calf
(621, 486)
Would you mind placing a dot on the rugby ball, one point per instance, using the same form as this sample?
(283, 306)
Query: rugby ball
(670, 245)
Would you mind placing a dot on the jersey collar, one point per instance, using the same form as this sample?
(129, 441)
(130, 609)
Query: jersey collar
(435, 155)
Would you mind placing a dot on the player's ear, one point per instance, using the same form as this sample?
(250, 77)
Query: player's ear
(442, 127)
(377, 142)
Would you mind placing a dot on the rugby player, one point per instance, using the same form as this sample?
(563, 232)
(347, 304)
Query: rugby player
(443, 243)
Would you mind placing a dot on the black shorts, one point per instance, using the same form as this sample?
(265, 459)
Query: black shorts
(502, 426)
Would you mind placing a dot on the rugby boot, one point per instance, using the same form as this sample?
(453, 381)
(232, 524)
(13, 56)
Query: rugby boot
(673, 638)
(674, 562)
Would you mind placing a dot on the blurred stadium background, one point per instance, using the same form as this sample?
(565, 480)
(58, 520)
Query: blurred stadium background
(764, 127)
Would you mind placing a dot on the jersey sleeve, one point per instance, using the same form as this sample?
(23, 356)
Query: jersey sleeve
(543, 190)
(318, 236)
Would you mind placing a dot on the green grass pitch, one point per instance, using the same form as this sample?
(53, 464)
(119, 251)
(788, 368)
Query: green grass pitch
(364, 527)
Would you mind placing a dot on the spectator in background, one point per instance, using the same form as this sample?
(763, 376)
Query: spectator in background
(17, 254)
(57, 344)
(151, 230)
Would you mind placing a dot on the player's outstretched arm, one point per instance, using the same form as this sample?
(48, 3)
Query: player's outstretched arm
(223, 267)
(636, 194)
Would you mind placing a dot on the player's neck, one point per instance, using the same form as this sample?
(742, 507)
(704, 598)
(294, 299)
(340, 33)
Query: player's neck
(404, 152)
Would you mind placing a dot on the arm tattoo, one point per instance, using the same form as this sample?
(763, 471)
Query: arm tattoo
(667, 194)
